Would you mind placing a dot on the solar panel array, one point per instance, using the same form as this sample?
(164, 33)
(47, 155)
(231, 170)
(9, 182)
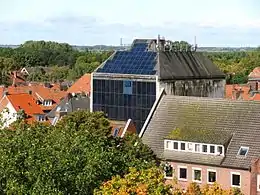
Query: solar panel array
(136, 61)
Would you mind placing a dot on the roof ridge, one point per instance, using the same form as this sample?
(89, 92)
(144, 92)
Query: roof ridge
(211, 99)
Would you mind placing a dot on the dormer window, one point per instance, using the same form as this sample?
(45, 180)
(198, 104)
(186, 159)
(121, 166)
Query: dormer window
(202, 148)
(47, 103)
(243, 151)
(175, 145)
(212, 149)
(183, 146)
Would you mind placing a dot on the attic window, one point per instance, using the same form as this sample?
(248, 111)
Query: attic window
(243, 151)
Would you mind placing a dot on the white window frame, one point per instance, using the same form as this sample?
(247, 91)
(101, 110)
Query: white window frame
(258, 182)
(172, 173)
(231, 179)
(200, 148)
(178, 145)
(165, 144)
(186, 147)
(211, 170)
(209, 147)
(193, 144)
(193, 174)
(182, 167)
(243, 147)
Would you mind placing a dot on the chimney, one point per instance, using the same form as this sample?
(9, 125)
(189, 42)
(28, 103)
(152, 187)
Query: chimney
(237, 93)
(14, 73)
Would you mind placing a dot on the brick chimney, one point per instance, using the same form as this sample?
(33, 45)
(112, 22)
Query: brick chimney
(14, 73)
(237, 93)
(255, 171)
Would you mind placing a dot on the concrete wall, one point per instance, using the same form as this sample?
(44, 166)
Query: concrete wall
(199, 88)
(223, 176)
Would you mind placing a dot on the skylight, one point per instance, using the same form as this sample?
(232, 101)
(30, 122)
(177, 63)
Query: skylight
(243, 151)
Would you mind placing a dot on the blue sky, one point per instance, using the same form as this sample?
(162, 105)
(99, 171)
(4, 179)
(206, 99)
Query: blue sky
(86, 22)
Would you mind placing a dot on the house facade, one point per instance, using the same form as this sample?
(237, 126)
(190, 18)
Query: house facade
(206, 140)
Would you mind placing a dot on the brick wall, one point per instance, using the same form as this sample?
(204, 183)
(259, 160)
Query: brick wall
(223, 176)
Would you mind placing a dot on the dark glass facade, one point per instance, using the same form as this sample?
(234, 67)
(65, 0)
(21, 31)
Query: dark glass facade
(124, 99)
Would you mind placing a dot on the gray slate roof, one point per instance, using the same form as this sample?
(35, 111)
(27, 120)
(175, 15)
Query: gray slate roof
(186, 65)
(71, 104)
(239, 118)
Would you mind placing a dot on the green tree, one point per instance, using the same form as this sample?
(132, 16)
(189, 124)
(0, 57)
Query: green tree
(147, 181)
(74, 157)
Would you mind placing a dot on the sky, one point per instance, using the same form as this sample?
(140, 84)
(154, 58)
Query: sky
(227, 23)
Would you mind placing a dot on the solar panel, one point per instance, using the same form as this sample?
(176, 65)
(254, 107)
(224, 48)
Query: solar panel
(136, 61)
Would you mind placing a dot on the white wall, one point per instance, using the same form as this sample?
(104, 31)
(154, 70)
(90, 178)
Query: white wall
(9, 115)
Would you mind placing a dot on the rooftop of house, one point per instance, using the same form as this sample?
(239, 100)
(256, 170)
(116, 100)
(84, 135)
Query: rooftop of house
(255, 74)
(83, 84)
(200, 136)
(71, 103)
(119, 128)
(40, 91)
(26, 103)
(242, 92)
(145, 59)
(237, 119)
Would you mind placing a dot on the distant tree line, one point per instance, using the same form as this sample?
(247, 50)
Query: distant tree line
(68, 63)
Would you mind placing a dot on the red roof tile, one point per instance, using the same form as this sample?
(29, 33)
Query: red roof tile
(40, 91)
(81, 85)
(255, 73)
(244, 90)
(27, 103)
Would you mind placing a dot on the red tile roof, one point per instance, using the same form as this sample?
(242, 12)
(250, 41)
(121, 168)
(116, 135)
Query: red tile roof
(255, 73)
(81, 85)
(27, 103)
(40, 91)
(244, 91)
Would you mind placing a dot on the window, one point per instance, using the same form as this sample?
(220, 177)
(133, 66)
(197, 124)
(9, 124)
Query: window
(190, 146)
(258, 183)
(41, 118)
(116, 132)
(47, 103)
(212, 149)
(243, 151)
(235, 179)
(167, 144)
(196, 174)
(197, 147)
(175, 145)
(182, 173)
(204, 148)
(183, 146)
(220, 149)
(168, 170)
(212, 176)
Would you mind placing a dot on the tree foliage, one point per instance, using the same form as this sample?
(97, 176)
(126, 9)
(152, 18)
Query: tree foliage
(49, 54)
(143, 182)
(151, 182)
(74, 157)
(73, 63)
